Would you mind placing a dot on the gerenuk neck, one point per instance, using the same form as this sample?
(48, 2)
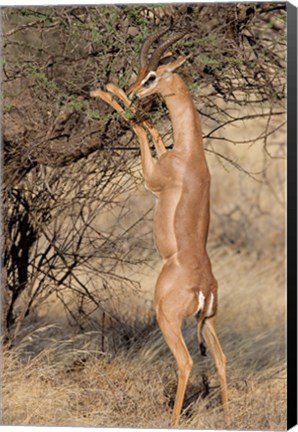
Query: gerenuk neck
(187, 132)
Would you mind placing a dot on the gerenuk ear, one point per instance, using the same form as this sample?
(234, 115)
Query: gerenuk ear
(171, 67)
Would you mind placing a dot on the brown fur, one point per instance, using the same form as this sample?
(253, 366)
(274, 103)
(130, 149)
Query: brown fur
(180, 180)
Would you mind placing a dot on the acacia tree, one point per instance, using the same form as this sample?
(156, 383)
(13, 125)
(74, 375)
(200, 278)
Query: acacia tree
(70, 165)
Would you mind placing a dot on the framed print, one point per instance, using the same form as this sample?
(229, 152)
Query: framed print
(149, 206)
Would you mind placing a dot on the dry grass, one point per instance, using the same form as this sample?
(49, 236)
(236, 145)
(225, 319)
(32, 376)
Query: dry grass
(54, 378)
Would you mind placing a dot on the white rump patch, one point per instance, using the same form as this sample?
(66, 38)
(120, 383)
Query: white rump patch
(201, 302)
(210, 306)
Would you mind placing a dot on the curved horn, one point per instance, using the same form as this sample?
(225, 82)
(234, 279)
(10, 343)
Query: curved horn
(154, 60)
(147, 44)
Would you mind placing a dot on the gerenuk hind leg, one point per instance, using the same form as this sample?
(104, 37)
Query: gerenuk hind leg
(171, 330)
(210, 336)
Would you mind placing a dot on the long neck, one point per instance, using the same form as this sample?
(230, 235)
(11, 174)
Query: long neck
(186, 124)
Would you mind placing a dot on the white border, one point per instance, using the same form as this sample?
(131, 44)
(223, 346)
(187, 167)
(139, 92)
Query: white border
(105, 2)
